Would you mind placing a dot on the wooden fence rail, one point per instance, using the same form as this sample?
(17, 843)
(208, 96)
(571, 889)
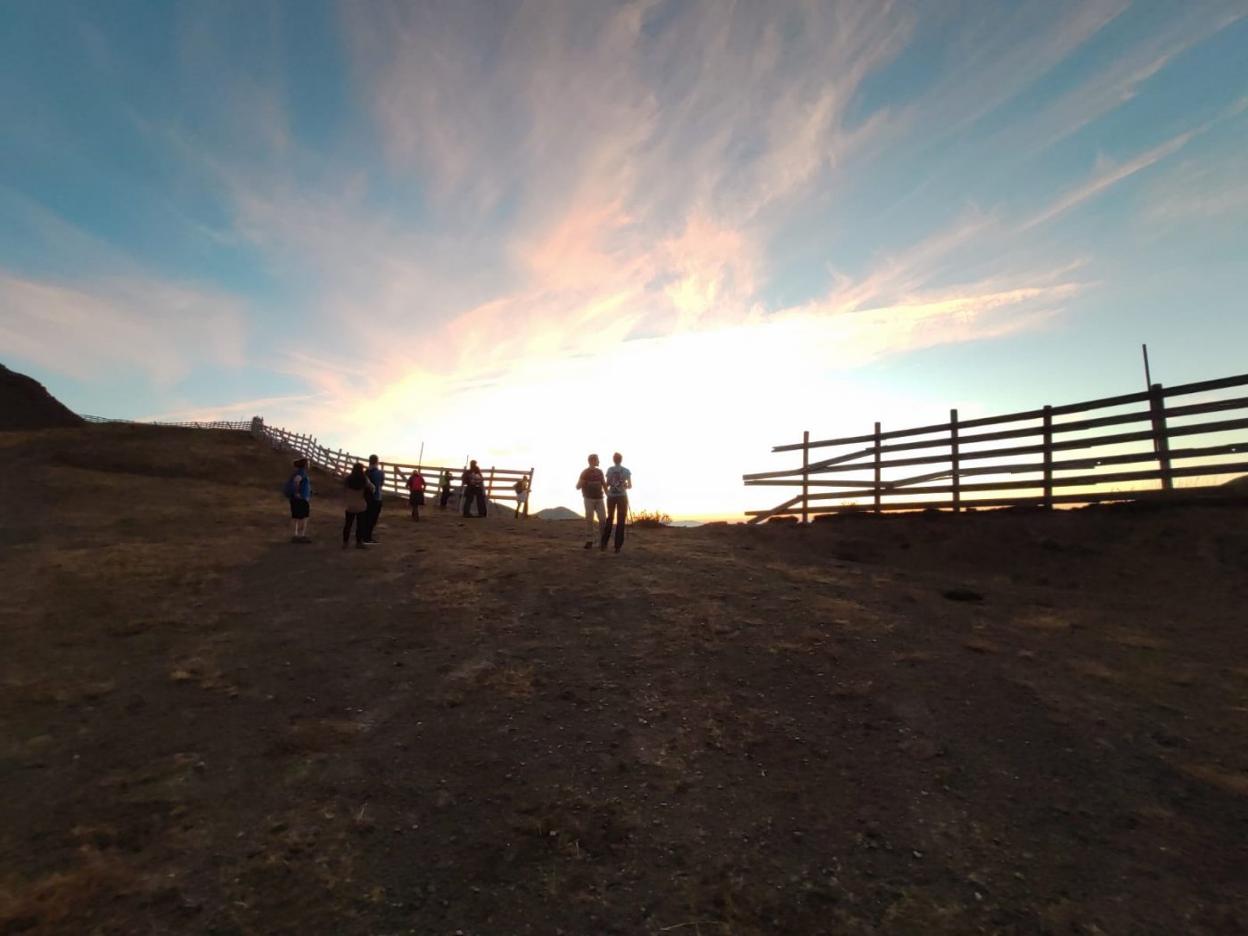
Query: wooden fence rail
(954, 451)
(499, 482)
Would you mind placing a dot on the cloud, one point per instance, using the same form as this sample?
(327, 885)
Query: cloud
(1110, 176)
(146, 326)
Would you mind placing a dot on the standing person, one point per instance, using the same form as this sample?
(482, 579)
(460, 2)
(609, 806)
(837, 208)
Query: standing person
(591, 484)
(299, 490)
(359, 491)
(444, 488)
(619, 482)
(376, 478)
(474, 489)
(522, 497)
(416, 492)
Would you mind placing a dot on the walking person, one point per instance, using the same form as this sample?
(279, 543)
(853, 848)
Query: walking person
(474, 489)
(299, 491)
(359, 490)
(377, 478)
(444, 488)
(619, 482)
(522, 497)
(591, 484)
(416, 492)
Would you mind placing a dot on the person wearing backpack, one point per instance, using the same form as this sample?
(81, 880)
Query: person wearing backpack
(474, 489)
(416, 492)
(298, 491)
(359, 491)
(619, 482)
(591, 484)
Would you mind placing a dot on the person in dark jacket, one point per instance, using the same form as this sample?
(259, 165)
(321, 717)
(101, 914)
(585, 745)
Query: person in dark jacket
(359, 490)
(474, 490)
(377, 478)
(300, 487)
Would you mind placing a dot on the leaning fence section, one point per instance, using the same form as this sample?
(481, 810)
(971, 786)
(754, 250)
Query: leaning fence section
(500, 483)
(1130, 447)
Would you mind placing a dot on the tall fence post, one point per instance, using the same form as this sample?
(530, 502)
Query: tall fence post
(806, 477)
(1161, 440)
(529, 492)
(954, 458)
(877, 467)
(1048, 457)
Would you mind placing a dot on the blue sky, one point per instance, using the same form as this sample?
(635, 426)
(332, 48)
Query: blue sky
(685, 230)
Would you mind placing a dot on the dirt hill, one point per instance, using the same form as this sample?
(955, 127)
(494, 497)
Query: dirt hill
(998, 723)
(26, 404)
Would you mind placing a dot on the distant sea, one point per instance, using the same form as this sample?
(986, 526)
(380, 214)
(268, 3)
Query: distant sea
(686, 523)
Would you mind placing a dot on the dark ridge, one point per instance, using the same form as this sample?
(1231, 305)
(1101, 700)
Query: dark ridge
(26, 404)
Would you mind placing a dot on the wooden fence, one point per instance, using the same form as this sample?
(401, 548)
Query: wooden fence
(499, 482)
(238, 426)
(1060, 460)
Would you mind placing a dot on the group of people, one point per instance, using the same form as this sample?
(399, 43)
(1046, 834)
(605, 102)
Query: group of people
(606, 498)
(605, 495)
(363, 498)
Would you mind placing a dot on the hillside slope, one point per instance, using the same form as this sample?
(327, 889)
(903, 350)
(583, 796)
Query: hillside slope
(995, 723)
(26, 404)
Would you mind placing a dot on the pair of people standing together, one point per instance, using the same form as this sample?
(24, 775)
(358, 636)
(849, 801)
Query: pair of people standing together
(615, 483)
(363, 503)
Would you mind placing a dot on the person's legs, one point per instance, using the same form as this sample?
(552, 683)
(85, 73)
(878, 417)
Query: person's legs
(594, 509)
(481, 502)
(373, 516)
(346, 528)
(606, 526)
(617, 513)
(465, 501)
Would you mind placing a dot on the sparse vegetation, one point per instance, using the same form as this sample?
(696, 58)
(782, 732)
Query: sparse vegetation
(651, 518)
(929, 724)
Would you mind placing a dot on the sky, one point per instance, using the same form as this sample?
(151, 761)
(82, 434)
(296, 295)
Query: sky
(687, 231)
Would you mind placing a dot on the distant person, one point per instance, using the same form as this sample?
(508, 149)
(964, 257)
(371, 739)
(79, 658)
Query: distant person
(619, 482)
(377, 478)
(359, 493)
(299, 491)
(591, 484)
(474, 490)
(416, 492)
(444, 488)
(522, 497)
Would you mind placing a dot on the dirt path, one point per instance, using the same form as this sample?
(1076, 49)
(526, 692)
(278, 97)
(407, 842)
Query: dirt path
(980, 724)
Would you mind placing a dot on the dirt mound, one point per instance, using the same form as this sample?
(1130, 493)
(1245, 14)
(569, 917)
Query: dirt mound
(26, 404)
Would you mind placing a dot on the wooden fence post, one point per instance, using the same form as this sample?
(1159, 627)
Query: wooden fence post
(529, 492)
(1048, 457)
(489, 484)
(805, 477)
(1161, 440)
(877, 467)
(954, 458)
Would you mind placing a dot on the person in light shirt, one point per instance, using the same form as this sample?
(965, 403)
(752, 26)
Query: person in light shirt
(619, 482)
(592, 484)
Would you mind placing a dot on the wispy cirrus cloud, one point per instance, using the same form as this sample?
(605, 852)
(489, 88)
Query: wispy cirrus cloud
(139, 325)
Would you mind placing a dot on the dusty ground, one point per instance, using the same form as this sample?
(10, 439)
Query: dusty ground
(992, 723)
